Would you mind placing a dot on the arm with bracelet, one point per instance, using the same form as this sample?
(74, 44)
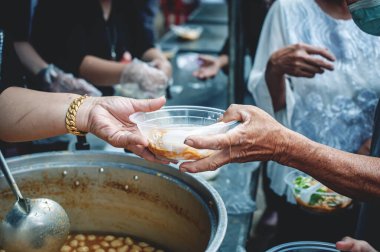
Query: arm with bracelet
(42, 115)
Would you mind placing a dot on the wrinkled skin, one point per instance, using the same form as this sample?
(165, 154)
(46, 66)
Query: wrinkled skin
(258, 137)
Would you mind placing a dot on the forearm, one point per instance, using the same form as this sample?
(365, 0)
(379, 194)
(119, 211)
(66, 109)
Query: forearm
(354, 175)
(101, 72)
(29, 57)
(28, 115)
(276, 86)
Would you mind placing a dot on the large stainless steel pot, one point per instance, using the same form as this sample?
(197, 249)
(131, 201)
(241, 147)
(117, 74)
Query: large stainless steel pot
(117, 193)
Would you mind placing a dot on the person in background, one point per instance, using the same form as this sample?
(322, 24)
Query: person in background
(19, 59)
(259, 137)
(16, 22)
(254, 12)
(97, 40)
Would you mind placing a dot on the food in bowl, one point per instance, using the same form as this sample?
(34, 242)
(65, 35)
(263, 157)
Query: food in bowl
(312, 195)
(187, 32)
(168, 128)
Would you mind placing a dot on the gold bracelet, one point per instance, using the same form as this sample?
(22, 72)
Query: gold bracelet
(71, 116)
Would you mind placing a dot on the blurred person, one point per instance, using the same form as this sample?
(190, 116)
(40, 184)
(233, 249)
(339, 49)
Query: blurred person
(97, 41)
(254, 12)
(16, 21)
(19, 59)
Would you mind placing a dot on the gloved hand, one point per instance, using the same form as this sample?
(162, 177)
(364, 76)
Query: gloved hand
(61, 82)
(149, 79)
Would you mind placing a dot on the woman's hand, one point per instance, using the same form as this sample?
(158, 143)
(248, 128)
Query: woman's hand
(108, 118)
(210, 66)
(258, 137)
(298, 60)
(353, 245)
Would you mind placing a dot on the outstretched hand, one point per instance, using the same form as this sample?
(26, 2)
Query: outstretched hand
(259, 137)
(108, 119)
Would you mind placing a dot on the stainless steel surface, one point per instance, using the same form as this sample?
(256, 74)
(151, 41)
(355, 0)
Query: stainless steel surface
(35, 225)
(117, 193)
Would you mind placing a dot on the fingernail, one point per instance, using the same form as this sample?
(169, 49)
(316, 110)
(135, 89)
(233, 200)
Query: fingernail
(189, 142)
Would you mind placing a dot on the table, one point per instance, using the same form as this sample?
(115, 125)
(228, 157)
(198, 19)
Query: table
(211, 40)
(210, 14)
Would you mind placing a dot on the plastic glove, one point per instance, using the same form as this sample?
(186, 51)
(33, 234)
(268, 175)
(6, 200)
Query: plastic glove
(149, 79)
(61, 82)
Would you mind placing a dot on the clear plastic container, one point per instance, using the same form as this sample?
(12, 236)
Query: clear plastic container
(166, 129)
(304, 246)
(312, 195)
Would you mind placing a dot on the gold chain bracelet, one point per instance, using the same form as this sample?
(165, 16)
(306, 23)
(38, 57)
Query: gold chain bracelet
(71, 116)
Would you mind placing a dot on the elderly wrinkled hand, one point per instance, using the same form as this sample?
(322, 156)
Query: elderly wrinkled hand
(258, 137)
(108, 118)
(352, 245)
(148, 78)
(300, 60)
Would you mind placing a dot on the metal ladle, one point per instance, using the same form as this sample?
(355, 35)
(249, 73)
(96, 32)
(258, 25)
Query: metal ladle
(33, 225)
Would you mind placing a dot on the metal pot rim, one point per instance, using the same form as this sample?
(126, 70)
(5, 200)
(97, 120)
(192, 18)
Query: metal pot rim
(205, 190)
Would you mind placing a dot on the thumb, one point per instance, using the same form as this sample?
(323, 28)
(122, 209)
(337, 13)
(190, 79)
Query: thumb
(148, 105)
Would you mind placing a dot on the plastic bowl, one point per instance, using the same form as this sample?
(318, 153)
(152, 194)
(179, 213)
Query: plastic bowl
(166, 129)
(322, 200)
(304, 246)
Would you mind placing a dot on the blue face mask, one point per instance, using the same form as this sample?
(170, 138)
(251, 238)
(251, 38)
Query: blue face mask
(366, 15)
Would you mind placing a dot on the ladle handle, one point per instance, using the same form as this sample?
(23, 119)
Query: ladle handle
(8, 176)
